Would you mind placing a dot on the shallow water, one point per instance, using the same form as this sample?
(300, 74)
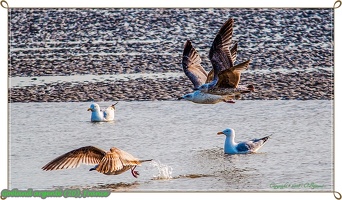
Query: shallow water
(181, 137)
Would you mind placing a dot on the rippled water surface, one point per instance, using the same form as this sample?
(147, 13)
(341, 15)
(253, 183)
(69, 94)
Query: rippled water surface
(181, 138)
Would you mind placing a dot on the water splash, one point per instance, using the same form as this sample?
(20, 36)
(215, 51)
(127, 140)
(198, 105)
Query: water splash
(164, 171)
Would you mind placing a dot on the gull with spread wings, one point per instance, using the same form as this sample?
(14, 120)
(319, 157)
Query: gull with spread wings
(113, 162)
(221, 84)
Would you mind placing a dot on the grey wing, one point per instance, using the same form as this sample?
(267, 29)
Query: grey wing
(252, 145)
(192, 65)
(85, 155)
(244, 147)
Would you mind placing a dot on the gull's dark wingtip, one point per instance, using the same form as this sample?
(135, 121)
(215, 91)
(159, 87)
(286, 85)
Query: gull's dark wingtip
(187, 44)
(187, 48)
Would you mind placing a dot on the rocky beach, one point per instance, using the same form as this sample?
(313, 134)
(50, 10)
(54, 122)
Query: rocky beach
(291, 52)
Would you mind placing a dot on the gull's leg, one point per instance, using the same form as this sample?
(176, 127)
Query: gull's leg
(134, 173)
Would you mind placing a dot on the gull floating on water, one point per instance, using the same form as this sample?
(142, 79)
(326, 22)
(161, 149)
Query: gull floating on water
(113, 162)
(221, 84)
(97, 115)
(251, 146)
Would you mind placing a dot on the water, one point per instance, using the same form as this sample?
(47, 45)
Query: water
(181, 138)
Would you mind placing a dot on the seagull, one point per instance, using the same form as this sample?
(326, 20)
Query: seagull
(224, 78)
(198, 76)
(101, 116)
(113, 162)
(206, 98)
(250, 146)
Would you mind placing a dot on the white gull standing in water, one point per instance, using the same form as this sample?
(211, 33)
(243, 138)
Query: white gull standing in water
(97, 115)
(250, 146)
(221, 84)
(113, 162)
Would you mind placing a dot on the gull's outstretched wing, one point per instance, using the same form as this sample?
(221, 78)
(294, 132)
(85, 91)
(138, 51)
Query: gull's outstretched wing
(233, 52)
(85, 155)
(192, 65)
(220, 49)
(220, 53)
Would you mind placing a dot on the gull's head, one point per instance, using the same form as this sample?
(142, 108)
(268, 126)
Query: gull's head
(94, 107)
(229, 132)
(204, 87)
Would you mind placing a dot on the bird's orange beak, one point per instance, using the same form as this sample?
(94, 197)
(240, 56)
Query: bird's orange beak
(220, 133)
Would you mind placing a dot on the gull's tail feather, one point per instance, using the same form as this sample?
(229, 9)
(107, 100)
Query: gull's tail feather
(265, 139)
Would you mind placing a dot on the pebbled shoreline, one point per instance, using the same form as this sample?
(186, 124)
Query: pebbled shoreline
(65, 42)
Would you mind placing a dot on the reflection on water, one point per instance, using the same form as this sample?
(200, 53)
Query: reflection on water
(117, 187)
(181, 139)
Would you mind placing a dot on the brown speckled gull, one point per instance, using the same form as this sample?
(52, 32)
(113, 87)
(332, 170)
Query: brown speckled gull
(113, 162)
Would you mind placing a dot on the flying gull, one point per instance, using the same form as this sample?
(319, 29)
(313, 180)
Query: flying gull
(206, 98)
(251, 146)
(223, 79)
(113, 162)
(224, 73)
(97, 115)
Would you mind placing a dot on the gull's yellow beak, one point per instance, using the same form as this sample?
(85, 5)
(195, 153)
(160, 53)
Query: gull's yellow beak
(220, 133)
(89, 109)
